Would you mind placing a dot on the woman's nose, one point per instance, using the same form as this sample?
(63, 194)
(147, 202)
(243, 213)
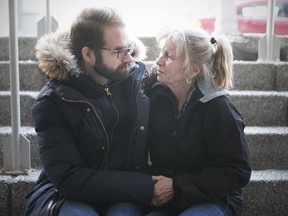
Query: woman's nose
(159, 60)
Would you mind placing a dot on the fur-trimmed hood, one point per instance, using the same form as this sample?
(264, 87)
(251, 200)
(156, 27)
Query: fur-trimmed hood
(55, 59)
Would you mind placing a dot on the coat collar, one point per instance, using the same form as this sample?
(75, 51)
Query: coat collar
(208, 92)
(203, 92)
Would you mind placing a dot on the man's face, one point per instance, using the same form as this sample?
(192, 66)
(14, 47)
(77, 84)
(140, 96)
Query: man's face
(112, 65)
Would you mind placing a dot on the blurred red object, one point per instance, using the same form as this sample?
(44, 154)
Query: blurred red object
(252, 16)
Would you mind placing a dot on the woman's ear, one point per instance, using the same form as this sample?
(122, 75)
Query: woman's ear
(194, 71)
(88, 55)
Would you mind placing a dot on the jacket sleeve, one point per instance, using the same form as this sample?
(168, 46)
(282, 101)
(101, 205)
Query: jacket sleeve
(229, 167)
(64, 167)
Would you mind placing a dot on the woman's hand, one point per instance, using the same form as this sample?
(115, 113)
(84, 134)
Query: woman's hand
(163, 190)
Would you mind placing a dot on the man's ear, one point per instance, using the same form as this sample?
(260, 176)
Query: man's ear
(88, 55)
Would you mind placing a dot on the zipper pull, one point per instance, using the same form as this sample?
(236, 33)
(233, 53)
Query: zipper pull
(108, 93)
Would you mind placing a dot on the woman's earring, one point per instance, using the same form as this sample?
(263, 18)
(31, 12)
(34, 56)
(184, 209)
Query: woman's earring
(188, 80)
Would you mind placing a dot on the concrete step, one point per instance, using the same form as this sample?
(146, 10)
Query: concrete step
(13, 191)
(30, 134)
(247, 76)
(30, 78)
(259, 108)
(26, 100)
(262, 108)
(268, 146)
(245, 47)
(264, 76)
(265, 195)
(26, 48)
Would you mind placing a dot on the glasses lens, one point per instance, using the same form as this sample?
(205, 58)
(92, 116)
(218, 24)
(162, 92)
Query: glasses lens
(130, 50)
(123, 52)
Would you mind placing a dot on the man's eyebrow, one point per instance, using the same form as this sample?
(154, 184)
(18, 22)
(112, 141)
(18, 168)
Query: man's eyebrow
(122, 47)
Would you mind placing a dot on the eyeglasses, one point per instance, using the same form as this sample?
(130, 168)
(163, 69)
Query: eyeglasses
(121, 52)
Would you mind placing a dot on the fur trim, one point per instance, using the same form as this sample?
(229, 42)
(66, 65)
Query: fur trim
(139, 50)
(54, 56)
(55, 59)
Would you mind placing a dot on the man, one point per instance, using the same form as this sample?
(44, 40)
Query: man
(91, 121)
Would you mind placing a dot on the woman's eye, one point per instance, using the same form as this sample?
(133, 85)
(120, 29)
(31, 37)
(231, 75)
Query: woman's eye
(167, 56)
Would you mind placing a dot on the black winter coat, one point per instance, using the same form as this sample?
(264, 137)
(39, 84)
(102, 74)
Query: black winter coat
(91, 141)
(203, 148)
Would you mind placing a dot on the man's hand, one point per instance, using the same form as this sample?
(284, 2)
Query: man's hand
(163, 190)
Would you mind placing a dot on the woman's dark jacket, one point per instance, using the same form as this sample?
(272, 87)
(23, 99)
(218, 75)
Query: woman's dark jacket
(91, 138)
(203, 148)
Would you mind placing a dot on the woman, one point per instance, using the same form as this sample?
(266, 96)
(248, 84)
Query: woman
(197, 147)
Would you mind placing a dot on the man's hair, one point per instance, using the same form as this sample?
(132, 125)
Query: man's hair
(88, 28)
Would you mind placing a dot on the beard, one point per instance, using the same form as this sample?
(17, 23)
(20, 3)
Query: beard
(120, 73)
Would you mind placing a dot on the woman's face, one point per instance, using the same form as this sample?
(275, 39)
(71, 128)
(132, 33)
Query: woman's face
(169, 68)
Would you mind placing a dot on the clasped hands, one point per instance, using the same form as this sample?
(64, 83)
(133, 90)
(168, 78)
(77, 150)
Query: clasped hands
(163, 190)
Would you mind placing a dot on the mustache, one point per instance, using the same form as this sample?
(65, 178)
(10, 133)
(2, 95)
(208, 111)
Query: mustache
(124, 66)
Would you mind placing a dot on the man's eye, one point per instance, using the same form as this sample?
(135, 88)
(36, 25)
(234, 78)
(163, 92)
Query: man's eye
(121, 50)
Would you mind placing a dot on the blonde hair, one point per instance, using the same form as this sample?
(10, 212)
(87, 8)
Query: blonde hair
(195, 47)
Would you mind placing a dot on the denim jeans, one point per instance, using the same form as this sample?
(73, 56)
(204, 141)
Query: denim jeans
(123, 209)
(73, 208)
(207, 209)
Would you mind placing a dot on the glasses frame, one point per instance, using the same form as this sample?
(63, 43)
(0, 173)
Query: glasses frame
(124, 50)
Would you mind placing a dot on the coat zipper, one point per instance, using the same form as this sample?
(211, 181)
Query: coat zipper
(109, 94)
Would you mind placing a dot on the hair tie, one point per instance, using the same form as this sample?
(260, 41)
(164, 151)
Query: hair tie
(213, 41)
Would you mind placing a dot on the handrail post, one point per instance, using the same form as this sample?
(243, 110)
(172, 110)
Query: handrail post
(270, 29)
(269, 44)
(48, 17)
(16, 149)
